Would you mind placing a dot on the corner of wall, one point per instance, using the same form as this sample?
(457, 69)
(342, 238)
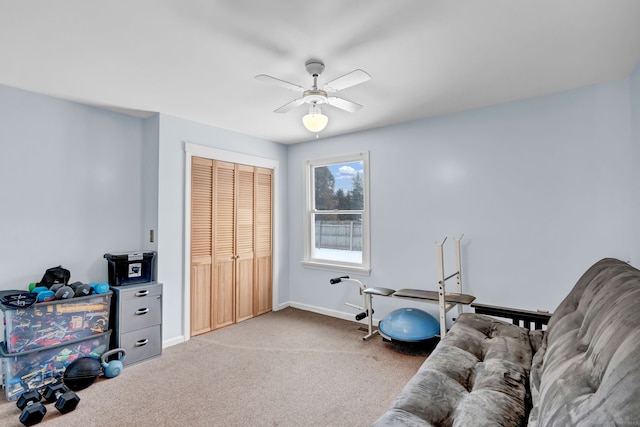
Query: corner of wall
(149, 170)
(635, 149)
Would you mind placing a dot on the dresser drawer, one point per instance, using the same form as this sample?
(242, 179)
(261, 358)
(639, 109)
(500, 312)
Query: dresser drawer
(140, 313)
(138, 320)
(141, 344)
(139, 292)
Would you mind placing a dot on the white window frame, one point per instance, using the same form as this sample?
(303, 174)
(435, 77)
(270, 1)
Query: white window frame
(309, 227)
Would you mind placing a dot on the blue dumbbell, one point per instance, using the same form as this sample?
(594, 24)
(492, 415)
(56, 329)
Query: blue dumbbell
(44, 294)
(100, 288)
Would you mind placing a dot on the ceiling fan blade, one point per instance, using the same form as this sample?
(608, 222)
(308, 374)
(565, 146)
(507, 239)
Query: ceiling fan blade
(281, 83)
(350, 79)
(289, 106)
(343, 104)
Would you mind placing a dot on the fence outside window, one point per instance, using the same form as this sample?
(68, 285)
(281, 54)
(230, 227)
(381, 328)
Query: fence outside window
(343, 235)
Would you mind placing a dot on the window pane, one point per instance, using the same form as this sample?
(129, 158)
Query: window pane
(338, 237)
(337, 218)
(339, 186)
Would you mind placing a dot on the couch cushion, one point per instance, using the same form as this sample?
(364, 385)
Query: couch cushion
(477, 375)
(587, 372)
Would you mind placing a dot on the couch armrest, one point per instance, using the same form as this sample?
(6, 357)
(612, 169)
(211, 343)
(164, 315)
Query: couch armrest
(527, 317)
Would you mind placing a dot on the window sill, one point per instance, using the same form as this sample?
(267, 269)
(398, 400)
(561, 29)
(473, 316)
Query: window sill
(337, 267)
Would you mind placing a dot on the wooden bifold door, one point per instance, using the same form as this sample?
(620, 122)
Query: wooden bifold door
(231, 255)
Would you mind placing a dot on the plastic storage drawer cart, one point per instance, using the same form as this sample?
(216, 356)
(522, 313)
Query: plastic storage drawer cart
(56, 322)
(35, 369)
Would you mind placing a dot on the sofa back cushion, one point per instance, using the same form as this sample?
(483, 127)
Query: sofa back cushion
(587, 372)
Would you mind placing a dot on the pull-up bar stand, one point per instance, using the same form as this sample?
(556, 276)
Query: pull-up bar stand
(459, 297)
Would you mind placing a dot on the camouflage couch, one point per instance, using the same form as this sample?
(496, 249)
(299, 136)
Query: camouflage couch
(584, 370)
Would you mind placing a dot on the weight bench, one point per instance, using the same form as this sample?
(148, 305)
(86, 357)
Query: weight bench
(445, 300)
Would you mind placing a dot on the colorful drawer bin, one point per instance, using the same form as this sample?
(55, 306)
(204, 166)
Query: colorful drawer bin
(56, 322)
(35, 369)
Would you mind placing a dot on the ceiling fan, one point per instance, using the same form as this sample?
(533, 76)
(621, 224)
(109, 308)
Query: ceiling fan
(315, 121)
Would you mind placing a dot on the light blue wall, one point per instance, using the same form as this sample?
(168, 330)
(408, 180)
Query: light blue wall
(540, 188)
(173, 133)
(634, 193)
(78, 182)
(70, 187)
(150, 180)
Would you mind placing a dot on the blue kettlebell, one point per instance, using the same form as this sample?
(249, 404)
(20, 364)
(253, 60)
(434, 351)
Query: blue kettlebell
(114, 367)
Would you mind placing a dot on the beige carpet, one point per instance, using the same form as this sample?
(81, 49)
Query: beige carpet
(286, 368)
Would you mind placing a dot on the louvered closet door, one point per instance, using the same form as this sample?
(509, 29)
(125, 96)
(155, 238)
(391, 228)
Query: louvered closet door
(201, 245)
(224, 204)
(231, 216)
(263, 233)
(245, 232)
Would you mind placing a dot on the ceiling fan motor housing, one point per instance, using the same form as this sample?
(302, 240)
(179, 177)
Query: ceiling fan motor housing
(315, 67)
(315, 96)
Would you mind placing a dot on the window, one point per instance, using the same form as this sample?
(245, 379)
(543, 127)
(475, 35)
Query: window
(337, 213)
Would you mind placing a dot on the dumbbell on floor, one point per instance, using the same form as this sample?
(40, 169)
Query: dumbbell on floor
(32, 410)
(66, 400)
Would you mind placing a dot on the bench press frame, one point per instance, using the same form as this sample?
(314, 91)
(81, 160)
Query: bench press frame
(445, 300)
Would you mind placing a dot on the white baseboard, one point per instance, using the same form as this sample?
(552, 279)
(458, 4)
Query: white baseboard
(306, 307)
(173, 341)
(282, 306)
(321, 310)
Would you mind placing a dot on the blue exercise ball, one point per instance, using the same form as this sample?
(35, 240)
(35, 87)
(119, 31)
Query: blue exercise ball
(409, 324)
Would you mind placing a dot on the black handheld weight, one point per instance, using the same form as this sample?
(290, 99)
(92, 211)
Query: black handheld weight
(32, 410)
(66, 400)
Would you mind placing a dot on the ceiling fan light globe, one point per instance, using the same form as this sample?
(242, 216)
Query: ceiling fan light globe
(315, 122)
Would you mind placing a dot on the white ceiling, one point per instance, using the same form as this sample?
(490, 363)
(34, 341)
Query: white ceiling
(197, 59)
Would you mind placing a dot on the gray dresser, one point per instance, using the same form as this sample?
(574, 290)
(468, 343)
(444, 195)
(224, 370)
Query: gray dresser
(137, 320)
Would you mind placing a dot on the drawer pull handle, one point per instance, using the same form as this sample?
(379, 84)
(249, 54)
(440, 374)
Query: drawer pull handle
(142, 293)
(142, 311)
(140, 343)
